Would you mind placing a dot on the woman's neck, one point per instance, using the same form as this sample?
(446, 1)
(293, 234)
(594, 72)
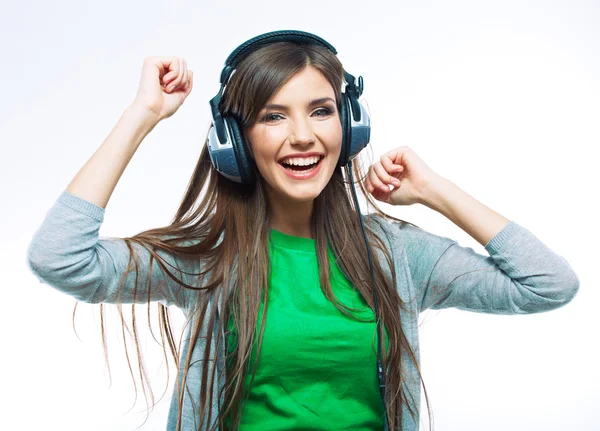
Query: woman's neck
(292, 217)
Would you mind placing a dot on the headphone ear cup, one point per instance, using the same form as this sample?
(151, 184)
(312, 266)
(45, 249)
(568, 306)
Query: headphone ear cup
(240, 148)
(346, 130)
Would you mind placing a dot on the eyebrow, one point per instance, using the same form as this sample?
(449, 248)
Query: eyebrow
(310, 104)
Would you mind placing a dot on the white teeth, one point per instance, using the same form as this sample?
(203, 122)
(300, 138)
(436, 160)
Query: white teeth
(301, 161)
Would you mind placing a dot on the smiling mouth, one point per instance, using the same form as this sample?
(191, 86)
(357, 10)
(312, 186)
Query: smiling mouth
(304, 169)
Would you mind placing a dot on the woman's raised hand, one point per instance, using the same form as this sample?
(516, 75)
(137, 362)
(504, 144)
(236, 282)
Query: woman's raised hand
(164, 85)
(406, 172)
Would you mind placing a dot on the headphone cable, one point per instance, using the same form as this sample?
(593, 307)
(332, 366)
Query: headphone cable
(379, 366)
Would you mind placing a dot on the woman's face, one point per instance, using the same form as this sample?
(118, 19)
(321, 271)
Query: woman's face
(297, 138)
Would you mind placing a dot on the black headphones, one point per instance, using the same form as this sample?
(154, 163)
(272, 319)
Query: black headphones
(229, 153)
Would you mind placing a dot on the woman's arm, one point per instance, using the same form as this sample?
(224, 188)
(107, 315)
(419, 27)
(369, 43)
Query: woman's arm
(66, 251)
(67, 254)
(479, 221)
(521, 275)
(97, 179)
(164, 85)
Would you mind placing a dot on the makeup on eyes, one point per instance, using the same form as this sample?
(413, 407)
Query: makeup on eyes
(325, 110)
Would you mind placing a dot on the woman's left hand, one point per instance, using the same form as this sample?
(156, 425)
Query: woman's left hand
(406, 172)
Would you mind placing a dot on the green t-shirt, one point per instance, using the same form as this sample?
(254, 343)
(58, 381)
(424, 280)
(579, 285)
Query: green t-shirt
(317, 368)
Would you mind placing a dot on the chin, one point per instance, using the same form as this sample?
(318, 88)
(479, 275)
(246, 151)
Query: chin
(301, 196)
(296, 194)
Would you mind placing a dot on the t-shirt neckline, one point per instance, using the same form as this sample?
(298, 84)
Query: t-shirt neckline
(284, 240)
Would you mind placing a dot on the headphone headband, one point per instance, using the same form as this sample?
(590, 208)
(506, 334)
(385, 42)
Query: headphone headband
(253, 44)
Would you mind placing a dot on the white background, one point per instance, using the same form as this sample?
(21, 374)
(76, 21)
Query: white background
(500, 97)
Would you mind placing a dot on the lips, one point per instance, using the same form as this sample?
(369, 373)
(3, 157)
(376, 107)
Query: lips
(298, 172)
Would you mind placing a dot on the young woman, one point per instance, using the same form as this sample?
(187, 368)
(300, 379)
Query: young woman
(289, 310)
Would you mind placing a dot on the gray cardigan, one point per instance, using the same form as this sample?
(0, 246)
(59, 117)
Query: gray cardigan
(521, 275)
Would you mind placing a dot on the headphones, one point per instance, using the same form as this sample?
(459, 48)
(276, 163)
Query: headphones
(229, 152)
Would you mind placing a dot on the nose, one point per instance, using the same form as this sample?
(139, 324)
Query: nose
(301, 132)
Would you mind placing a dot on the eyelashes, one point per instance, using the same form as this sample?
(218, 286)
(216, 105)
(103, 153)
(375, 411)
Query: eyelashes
(272, 117)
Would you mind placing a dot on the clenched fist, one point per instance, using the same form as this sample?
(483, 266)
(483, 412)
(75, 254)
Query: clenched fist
(165, 84)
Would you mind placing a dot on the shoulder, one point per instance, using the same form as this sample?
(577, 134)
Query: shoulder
(394, 229)
(404, 235)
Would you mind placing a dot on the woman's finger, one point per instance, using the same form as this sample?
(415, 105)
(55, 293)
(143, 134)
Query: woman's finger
(389, 164)
(385, 177)
(177, 78)
(184, 74)
(368, 185)
(190, 79)
(172, 66)
(177, 81)
(375, 178)
(169, 76)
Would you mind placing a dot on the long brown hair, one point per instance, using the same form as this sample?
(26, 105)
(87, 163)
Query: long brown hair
(225, 226)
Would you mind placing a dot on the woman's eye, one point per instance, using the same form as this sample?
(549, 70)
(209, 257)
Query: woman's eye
(323, 112)
(269, 118)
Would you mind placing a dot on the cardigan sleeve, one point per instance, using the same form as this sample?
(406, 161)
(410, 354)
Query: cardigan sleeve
(67, 254)
(521, 275)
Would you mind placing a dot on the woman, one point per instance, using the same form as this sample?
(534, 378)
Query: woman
(280, 236)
